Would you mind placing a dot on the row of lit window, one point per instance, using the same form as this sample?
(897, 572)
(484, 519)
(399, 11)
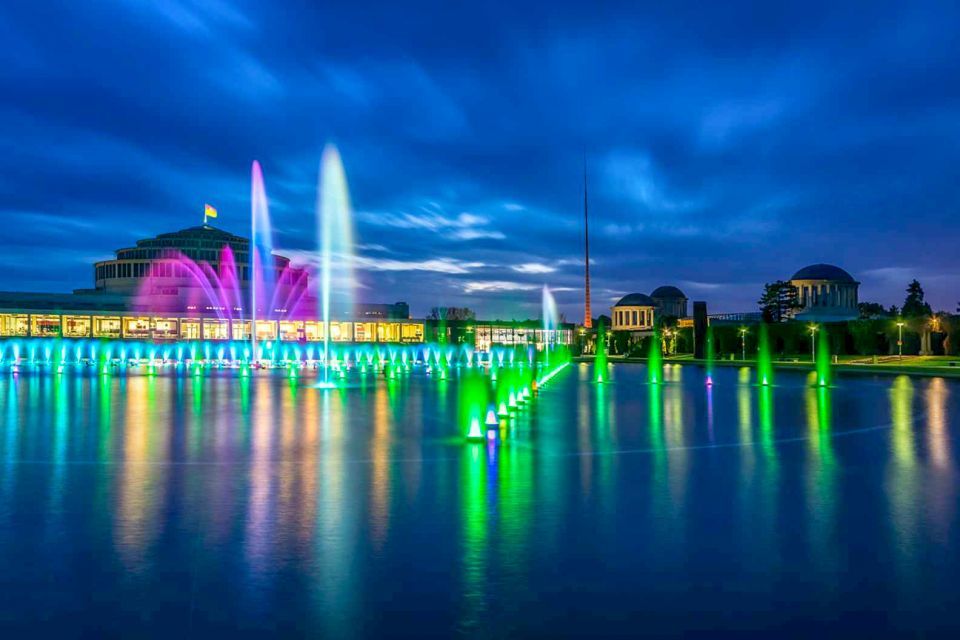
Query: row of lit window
(632, 318)
(160, 328)
(185, 242)
(160, 269)
(486, 335)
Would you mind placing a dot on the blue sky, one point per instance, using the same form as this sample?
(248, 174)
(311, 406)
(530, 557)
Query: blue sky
(728, 144)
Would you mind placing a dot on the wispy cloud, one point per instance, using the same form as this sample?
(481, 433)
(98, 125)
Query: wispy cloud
(488, 286)
(436, 265)
(631, 175)
(533, 267)
(463, 226)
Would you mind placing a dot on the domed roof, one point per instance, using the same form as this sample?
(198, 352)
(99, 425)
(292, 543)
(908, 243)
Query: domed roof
(636, 300)
(667, 292)
(823, 272)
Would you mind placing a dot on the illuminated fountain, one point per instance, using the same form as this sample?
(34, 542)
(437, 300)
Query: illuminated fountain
(551, 320)
(764, 357)
(710, 355)
(600, 361)
(335, 230)
(823, 359)
(261, 254)
(655, 359)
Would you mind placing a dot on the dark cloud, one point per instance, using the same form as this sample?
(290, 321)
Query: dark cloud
(728, 143)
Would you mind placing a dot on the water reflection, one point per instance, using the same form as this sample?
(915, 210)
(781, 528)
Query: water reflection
(362, 507)
(140, 486)
(475, 550)
(821, 479)
(942, 486)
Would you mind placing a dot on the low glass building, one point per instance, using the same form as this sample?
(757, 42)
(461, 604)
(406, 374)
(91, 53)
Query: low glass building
(195, 285)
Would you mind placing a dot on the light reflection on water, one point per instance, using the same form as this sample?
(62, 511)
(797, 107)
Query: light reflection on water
(267, 506)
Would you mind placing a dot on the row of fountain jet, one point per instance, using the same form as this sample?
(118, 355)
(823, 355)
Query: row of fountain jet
(763, 363)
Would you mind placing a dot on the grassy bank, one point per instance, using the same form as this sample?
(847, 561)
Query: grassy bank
(939, 366)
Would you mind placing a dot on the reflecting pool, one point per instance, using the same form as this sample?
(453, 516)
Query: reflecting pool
(148, 505)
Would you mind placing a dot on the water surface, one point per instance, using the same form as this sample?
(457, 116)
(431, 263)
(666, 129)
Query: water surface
(136, 505)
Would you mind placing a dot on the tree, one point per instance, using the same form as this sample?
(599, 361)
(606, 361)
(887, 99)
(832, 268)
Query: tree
(870, 310)
(779, 299)
(914, 305)
(451, 313)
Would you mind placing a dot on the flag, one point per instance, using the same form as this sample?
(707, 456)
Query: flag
(209, 212)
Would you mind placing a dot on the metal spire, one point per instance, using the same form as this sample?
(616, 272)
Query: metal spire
(587, 315)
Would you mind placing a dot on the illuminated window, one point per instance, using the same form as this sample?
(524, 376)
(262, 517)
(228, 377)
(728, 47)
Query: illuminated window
(365, 331)
(482, 339)
(190, 329)
(106, 327)
(313, 331)
(14, 324)
(44, 325)
(413, 332)
(266, 330)
(341, 331)
(214, 329)
(165, 328)
(291, 330)
(388, 332)
(241, 329)
(136, 327)
(77, 326)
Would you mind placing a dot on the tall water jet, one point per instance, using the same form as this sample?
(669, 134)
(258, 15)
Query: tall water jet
(764, 358)
(655, 359)
(823, 359)
(335, 231)
(262, 266)
(600, 361)
(709, 355)
(551, 320)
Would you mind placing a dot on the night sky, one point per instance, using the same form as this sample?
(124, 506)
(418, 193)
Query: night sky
(727, 145)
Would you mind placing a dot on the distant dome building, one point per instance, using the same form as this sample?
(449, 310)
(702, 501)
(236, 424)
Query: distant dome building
(633, 312)
(184, 269)
(670, 301)
(826, 293)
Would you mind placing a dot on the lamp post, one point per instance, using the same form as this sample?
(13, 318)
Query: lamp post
(900, 339)
(743, 343)
(813, 342)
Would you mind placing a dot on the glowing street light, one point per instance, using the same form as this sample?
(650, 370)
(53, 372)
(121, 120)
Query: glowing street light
(743, 343)
(813, 342)
(900, 324)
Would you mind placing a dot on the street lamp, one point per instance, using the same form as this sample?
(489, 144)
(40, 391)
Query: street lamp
(813, 342)
(900, 324)
(743, 343)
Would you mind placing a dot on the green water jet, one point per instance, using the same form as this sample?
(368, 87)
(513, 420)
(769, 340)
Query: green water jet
(764, 358)
(655, 359)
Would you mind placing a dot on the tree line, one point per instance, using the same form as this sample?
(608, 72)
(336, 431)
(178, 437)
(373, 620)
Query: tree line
(780, 300)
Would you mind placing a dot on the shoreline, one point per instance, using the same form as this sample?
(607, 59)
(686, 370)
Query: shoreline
(898, 368)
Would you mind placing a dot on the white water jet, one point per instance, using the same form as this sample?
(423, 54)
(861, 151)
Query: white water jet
(335, 238)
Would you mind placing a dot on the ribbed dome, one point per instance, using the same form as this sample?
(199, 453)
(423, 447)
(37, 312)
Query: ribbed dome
(636, 300)
(667, 292)
(823, 272)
